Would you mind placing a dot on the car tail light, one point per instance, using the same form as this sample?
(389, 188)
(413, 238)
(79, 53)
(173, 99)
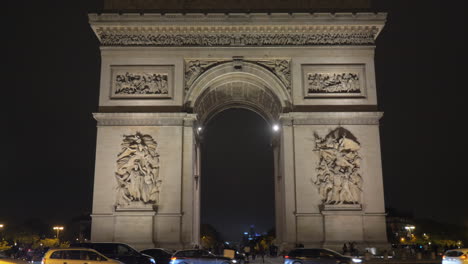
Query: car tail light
(463, 257)
(286, 257)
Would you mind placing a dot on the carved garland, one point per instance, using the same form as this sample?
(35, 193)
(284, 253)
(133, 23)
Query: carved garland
(338, 177)
(138, 181)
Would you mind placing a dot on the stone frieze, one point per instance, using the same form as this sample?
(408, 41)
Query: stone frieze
(346, 82)
(141, 83)
(119, 38)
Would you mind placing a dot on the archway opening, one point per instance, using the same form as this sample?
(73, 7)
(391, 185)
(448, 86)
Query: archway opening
(237, 176)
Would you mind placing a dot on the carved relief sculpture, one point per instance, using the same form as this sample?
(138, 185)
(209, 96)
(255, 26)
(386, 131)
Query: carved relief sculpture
(279, 67)
(334, 80)
(141, 81)
(333, 83)
(338, 176)
(117, 38)
(195, 67)
(138, 180)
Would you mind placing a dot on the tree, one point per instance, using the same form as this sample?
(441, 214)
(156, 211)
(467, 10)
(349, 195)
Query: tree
(210, 237)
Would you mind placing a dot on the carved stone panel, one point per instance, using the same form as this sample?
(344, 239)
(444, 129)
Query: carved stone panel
(142, 81)
(137, 175)
(333, 81)
(338, 174)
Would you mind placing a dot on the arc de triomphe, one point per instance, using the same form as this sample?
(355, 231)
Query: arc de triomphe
(163, 76)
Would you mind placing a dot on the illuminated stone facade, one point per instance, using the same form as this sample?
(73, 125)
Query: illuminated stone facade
(163, 76)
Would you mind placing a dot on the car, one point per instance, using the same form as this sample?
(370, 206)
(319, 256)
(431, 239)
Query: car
(239, 258)
(455, 256)
(119, 251)
(160, 255)
(75, 256)
(198, 256)
(317, 256)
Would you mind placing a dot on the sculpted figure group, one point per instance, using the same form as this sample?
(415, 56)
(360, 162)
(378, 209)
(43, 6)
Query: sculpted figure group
(138, 171)
(338, 176)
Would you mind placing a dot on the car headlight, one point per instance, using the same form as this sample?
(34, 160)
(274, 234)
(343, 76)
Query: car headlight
(356, 260)
(234, 261)
(152, 260)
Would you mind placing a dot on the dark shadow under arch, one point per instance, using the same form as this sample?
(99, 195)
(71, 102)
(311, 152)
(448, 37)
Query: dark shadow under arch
(237, 179)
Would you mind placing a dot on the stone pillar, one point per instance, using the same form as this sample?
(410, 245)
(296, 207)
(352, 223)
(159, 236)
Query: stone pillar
(288, 188)
(332, 208)
(167, 222)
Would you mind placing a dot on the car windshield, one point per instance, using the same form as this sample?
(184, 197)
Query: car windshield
(453, 253)
(333, 252)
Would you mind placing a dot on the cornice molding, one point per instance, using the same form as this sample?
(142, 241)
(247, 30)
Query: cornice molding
(276, 29)
(337, 118)
(145, 119)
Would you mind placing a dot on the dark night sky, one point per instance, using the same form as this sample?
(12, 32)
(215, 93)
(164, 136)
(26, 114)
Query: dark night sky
(51, 75)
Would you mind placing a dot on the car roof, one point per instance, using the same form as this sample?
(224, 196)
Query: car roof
(165, 249)
(72, 248)
(458, 249)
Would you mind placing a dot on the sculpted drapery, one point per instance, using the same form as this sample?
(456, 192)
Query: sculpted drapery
(137, 174)
(338, 177)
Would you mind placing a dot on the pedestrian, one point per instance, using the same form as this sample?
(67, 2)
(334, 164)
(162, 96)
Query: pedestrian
(352, 249)
(345, 249)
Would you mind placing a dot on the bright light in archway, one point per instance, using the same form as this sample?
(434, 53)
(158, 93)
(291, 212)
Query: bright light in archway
(275, 127)
(199, 129)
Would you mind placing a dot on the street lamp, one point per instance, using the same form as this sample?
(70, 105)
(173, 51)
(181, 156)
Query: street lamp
(58, 228)
(275, 127)
(410, 229)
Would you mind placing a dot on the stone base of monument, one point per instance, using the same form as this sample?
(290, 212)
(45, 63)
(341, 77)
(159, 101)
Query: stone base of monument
(342, 207)
(136, 206)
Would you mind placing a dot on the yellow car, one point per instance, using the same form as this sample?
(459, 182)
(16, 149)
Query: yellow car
(76, 256)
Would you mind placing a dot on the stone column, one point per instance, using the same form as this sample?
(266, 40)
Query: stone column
(287, 201)
(122, 211)
(325, 202)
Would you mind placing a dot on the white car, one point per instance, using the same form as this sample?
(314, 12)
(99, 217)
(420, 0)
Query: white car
(455, 256)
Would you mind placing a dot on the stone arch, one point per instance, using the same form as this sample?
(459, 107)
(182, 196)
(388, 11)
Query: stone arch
(240, 85)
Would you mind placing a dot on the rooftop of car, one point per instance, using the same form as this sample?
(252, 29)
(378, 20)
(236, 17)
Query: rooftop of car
(71, 248)
(465, 250)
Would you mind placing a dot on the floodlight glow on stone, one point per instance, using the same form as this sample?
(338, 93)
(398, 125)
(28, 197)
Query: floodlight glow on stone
(199, 129)
(275, 128)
